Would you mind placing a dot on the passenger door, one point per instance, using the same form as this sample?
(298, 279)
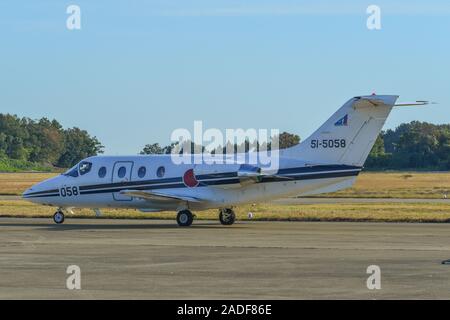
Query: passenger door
(121, 173)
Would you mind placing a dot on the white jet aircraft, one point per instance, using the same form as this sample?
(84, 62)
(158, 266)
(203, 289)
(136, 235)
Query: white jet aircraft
(329, 160)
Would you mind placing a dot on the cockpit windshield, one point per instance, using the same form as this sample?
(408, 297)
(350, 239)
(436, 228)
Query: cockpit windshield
(72, 172)
(82, 168)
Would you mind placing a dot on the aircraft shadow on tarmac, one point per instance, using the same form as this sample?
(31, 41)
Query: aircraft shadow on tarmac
(137, 226)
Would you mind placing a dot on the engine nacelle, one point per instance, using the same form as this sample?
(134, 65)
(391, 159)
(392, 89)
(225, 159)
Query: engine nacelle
(248, 171)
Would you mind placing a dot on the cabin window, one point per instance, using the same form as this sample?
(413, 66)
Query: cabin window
(122, 171)
(102, 172)
(141, 172)
(160, 172)
(85, 167)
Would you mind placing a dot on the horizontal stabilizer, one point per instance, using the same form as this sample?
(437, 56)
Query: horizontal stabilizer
(415, 103)
(373, 101)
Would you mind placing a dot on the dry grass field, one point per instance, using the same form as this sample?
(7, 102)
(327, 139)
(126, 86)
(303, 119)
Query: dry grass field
(398, 185)
(368, 185)
(398, 212)
(17, 183)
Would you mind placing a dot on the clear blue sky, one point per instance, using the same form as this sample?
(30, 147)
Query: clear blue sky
(139, 69)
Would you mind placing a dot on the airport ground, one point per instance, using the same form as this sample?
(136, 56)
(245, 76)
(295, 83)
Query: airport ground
(153, 258)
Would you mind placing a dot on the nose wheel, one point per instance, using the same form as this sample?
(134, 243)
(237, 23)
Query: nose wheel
(58, 217)
(185, 218)
(227, 217)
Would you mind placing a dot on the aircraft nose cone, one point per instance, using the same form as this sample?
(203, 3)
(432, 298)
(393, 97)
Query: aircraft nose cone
(27, 192)
(41, 190)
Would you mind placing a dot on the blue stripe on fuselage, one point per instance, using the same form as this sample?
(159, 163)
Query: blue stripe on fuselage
(299, 173)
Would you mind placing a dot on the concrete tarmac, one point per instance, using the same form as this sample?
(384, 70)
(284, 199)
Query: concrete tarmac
(154, 259)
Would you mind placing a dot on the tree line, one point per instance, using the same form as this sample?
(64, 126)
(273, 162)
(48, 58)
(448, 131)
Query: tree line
(285, 140)
(411, 146)
(44, 142)
(415, 145)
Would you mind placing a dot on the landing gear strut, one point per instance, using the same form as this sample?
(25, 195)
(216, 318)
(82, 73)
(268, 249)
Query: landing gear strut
(58, 217)
(185, 218)
(227, 217)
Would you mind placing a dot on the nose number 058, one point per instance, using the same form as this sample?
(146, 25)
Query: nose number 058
(68, 191)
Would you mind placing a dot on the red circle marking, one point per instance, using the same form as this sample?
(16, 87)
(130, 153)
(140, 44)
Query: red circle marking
(189, 179)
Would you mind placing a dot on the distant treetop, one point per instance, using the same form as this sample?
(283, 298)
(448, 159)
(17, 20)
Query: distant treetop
(44, 141)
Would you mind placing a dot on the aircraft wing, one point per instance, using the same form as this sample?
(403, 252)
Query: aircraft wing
(249, 172)
(157, 196)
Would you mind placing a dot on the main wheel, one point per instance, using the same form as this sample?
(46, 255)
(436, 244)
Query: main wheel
(227, 217)
(185, 218)
(58, 217)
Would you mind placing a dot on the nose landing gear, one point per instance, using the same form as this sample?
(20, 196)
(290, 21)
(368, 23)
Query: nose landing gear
(58, 217)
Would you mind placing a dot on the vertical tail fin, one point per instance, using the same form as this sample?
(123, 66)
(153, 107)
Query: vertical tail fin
(348, 135)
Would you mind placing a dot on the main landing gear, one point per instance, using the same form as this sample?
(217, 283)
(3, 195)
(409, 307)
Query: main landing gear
(226, 216)
(58, 217)
(185, 218)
